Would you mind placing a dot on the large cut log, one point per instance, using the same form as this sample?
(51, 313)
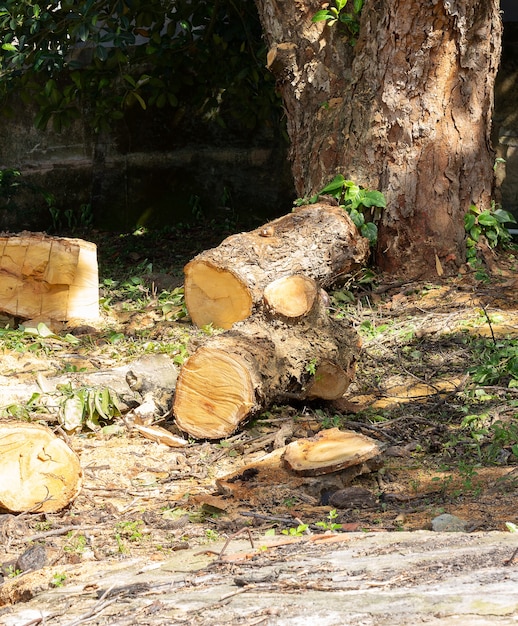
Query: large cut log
(223, 285)
(38, 471)
(48, 277)
(258, 362)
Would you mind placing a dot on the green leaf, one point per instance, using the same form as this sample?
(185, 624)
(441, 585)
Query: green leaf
(503, 216)
(72, 417)
(486, 219)
(357, 5)
(322, 15)
(335, 185)
(140, 100)
(357, 218)
(340, 4)
(347, 18)
(475, 233)
(469, 221)
(101, 53)
(83, 32)
(374, 198)
(370, 232)
(9, 47)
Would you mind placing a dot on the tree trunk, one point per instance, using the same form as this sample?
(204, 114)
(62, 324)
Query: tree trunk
(224, 285)
(406, 111)
(259, 361)
(45, 277)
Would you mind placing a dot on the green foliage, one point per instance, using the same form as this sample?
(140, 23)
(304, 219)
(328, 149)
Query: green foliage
(297, 531)
(58, 580)
(345, 14)
(87, 406)
(497, 363)
(330, 523)
(363, 205)
(490, 223)
(13, 185)
(101, 58)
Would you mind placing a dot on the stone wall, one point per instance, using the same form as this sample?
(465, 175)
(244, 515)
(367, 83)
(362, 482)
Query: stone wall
(150, 171)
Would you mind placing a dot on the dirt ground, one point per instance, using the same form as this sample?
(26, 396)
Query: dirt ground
(149, 507)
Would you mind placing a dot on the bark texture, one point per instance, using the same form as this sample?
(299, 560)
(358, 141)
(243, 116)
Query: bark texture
(238, 373)
(225, 284)
(406, 111)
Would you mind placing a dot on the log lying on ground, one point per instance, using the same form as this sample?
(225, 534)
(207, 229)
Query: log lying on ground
(48, 277)
(223, 285)
(38, 471)
(327, 462)
(258, 362)
(151, 373)
(329, 451)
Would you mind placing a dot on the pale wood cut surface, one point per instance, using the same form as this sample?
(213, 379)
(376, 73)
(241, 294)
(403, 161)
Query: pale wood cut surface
(259, 361)
(291, 297)
(223, 285)
(329, 451)
(48, 277)
(38, 471)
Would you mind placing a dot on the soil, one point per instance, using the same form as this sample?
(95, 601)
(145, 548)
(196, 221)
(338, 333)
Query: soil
(152, 539)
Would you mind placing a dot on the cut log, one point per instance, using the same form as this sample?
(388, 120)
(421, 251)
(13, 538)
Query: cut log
(48, 277)
(38, 471)
(271, 477)
(329, 451)
(258, 362)
(223, 285)
(291, 297)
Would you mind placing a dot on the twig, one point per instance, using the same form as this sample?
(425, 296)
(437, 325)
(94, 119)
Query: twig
(99, 606)
(52, 533)
(226, 544)
(511, 559)
(267, 518)
(489, 323)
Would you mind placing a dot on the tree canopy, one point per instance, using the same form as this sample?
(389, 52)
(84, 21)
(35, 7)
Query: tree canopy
(94, 59)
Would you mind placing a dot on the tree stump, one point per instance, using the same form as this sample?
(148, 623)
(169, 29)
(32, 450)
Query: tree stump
(225, 284)
(48, 277)
(38, 471)
(258, 362)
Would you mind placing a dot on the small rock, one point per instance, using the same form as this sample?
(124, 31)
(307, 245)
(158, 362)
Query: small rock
(447, 523)
(397, 451)
(33, 558)
(352, 498)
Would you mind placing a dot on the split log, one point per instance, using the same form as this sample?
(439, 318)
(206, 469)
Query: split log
(48, 277)
(329, 451)
(151, 373)
(258, 362)
(38, 471)
(326, 464)
(224, 285)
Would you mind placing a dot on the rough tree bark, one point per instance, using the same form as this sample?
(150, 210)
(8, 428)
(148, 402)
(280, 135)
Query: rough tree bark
(406, 111)
(259, 361)
(224, 285)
